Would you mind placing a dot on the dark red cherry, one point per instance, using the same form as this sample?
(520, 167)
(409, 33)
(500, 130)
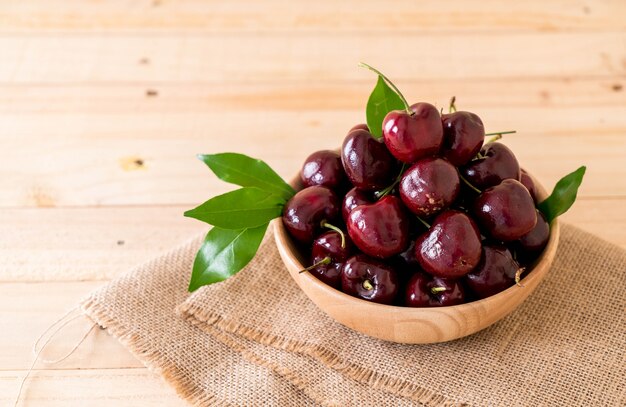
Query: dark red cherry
(429, 185)
(370, 279)
(507, 211)
(528, 182)
(532, 243)
(495, 272)
(497, 164)
(451, 247)
(380, 229)
(354, 198)
(328, 250)
(412, 136)
(366, 161)
(360, 126)
(424, 290)
(323, 168)
(305, 211)
(463, 136)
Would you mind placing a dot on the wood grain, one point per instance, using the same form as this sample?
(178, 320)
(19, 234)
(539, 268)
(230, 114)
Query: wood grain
(278, 58)
(164, 16)
(91, 387)
(104, 104)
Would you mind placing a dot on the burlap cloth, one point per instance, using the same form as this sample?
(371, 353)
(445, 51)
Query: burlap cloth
(257, 340)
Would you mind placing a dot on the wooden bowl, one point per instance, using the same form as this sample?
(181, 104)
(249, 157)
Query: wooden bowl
(406, 324)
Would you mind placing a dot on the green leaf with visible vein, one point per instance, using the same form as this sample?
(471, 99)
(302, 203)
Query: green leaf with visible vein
(239, 209)
(246, 171)
(224, 253)
(563, 195)
(382, 100)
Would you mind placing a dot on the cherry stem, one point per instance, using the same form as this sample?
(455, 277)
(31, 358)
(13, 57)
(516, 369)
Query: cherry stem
(336, 229)
(368, 285)
(423, 222)
(437, 290)
(452, 107)
(325, 260)
(386, 191)
(376, 71)
(518, 276)
(500, 133)
(469, 184)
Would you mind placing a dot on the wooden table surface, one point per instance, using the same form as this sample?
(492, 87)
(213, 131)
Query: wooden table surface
(104, 104)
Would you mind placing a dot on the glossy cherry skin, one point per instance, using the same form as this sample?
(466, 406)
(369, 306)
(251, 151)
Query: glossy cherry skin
(328, 245)
(506, 212)
(323, 168)
(451, 247)
(380, 229)
(419, 291)
(369, 279)
(532, 243)
(528, 182)
(463, 136)
(305, 211)
(366, 161)
(352, 199)
(429, 186)
(498, 163)
(495, 272)
(410, 137)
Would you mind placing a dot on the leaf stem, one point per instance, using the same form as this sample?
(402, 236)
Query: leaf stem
(368, 285)
(469, 184)
(336, 229)
(325, 260)
(376, 71)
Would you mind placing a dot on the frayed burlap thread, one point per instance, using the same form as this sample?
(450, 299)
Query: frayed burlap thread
(564, 346)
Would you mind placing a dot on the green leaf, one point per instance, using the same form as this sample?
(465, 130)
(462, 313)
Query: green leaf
(245, 171)
(382, 100)
(563, 195)
(242, 208)
(224, 253)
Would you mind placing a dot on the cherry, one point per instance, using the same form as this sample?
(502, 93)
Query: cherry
(528, 182)
(360, 126)
(506, 211)
(451, 247)
(410, 136)
(532, 243)
(380, 229)
(369, 279)
(366, 161)
(429, 185)
(463, 136)
(307, 210)
(354, 198)
(497, 164)
(328, 253)
(496, 271)
(423, 290)
(407, 257)
(323, 168)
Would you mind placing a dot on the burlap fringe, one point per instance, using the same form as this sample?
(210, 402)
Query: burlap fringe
(212, 323)
(150, 357)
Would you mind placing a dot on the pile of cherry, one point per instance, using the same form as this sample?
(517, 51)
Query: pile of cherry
(434, 215)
